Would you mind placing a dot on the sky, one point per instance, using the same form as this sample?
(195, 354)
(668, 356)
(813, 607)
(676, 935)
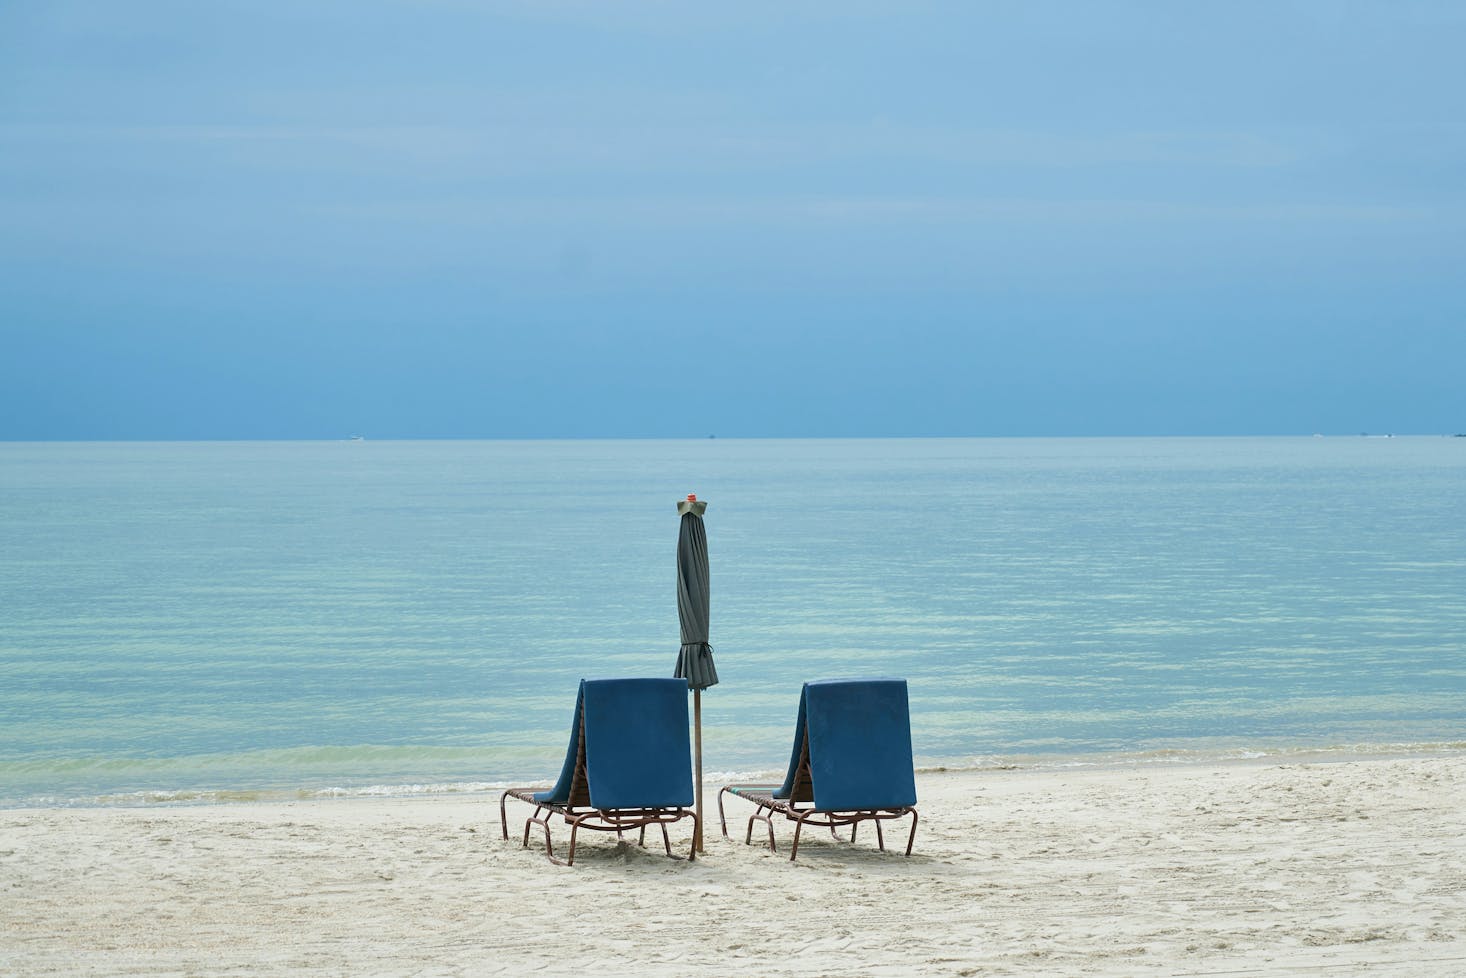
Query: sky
(543, 219)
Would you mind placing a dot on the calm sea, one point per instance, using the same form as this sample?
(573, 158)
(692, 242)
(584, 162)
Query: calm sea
(217, 621)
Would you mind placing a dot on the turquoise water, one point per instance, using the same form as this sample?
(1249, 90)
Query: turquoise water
(236, 620)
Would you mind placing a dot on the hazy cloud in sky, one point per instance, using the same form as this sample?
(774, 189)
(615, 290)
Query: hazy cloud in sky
(454, 219)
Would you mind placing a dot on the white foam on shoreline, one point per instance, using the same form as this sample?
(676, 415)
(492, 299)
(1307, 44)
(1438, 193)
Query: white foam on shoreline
(1283, 754)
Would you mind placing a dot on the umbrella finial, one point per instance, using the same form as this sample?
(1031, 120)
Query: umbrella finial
(692, 505)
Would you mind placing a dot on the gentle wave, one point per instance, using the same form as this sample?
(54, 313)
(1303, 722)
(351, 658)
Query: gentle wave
(1195, 756)
(1341, 753)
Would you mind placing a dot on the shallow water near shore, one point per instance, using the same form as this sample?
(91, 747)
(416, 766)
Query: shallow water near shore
(233, 621)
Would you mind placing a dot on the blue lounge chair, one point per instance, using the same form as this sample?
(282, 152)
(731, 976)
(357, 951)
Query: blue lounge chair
(628, 764)
(851, 763)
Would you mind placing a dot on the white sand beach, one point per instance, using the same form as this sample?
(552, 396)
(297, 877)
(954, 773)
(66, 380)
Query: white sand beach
(1340, 868)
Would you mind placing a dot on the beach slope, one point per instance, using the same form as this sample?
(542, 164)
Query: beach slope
(1339, 868)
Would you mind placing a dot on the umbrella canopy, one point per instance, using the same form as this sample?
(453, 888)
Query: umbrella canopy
(695, 660)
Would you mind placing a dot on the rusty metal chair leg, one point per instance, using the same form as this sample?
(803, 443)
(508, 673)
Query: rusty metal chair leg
(911, 839)
(768, 820)
(535, 819)
(798, 827)
(574, 828)
(880, 836)
(545, 824)
(722, 819)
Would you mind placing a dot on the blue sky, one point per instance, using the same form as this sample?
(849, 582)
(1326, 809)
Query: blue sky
(551, 219)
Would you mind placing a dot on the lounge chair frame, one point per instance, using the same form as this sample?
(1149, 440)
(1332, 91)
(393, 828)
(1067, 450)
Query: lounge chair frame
(799, 809)
(579, 814)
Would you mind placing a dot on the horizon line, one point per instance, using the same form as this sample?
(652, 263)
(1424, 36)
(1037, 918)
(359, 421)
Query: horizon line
(712, 437)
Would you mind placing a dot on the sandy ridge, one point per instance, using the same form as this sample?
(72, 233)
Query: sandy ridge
(1231, 869)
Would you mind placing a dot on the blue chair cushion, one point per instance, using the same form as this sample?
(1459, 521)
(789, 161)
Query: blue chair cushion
(560, 794)
(787, 788)
(638, 753)
(859, 744)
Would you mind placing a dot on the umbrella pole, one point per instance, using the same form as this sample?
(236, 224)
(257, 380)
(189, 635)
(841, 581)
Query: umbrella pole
(697, 741)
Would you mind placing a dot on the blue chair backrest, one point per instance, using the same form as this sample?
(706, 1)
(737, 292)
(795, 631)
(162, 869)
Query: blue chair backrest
(637, 749)
(560, 794)
(859, 744)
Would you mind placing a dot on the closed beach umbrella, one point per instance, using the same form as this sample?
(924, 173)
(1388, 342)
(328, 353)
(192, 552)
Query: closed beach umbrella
(695, 660)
